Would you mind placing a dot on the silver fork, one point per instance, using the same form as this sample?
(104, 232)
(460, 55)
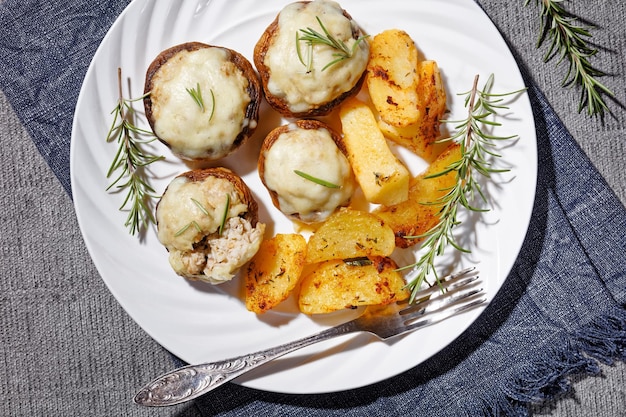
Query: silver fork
(457, 293)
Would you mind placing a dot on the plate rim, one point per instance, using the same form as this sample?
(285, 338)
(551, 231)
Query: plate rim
(73, 176)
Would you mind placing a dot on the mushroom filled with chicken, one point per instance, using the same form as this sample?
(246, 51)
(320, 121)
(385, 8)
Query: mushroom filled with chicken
(208, 221)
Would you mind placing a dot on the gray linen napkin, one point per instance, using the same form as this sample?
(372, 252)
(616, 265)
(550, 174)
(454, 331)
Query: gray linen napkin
(560, 311)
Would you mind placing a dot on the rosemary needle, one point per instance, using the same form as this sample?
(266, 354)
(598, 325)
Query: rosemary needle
(224, 215)
(196, 95)
(316, 180)
(193, 222)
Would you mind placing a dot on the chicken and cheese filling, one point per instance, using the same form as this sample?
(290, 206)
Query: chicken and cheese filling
(314, 153)
(300, 78)
(189, 218)
(199, 103)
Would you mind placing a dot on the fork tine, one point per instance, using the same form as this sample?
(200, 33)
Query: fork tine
(466, 288)
(446, 283)
(436, 304)
(447, 299)
(448, 311)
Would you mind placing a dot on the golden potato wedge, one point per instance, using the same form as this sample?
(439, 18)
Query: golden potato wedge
(274, 271)
(411, 137)
(420, 135)
(432, 102)
(417, 215)
(336, 285)
(392, 77)
(382, 177)
(349, 233)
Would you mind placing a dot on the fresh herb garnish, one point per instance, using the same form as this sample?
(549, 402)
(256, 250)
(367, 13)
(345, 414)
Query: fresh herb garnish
(477, 146)
(212, 105)
(568, 41)
(131, 160)
(312, 37)
(224, 215)
(200, 206)
(193, 222)
(187, 226)
(358, 261)
(196, 95)
(316, 180)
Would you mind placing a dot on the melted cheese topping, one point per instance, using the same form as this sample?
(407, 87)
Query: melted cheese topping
(289, 78)
(315, 153)
(191, 131)
(190, 211)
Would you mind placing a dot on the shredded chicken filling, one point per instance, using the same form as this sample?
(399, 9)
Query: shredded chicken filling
(219, 258)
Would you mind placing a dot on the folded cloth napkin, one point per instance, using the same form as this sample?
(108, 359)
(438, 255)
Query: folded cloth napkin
(560, 311)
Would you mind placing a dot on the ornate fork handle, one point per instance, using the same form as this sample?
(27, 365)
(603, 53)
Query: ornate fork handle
(192, 381)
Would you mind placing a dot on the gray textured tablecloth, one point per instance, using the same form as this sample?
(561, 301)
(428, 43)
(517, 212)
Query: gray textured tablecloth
(68, 348)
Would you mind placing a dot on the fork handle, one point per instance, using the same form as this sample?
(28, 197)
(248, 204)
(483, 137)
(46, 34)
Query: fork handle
(191, 381)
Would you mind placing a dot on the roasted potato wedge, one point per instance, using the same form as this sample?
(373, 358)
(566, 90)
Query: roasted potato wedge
(418, 214)
(432, 99)
(419, 136)
(349, 233)
(382, 177)
(392, 77)
(336, 285)
(410, 137)
(274, 271)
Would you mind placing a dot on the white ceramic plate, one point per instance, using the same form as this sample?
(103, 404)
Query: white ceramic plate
(199, 322)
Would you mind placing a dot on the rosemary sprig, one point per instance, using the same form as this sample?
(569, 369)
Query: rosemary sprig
(312, 37)
(568, 41)
(196, 95)
(316, 180)
(477, 147)
(130, 161)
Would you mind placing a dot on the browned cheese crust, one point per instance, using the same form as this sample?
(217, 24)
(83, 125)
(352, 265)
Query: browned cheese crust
(198, 175)
(272, 137)
(279, 104)
(254, 86)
